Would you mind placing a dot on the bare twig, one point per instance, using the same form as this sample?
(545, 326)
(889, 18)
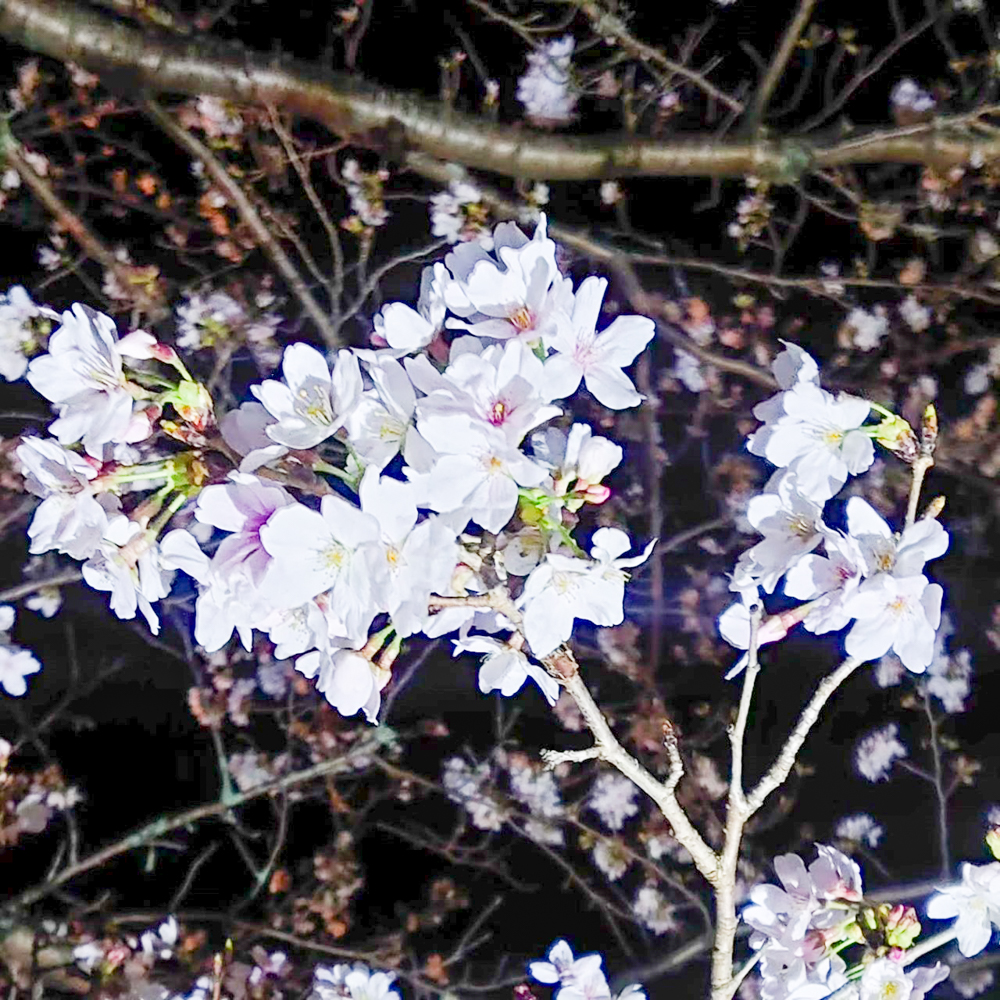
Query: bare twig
(235, 195)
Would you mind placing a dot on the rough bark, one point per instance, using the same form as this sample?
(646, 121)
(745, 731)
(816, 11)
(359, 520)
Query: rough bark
(159, 63)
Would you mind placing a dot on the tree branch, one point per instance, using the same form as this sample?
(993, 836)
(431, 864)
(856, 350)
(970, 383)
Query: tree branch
(367, 114)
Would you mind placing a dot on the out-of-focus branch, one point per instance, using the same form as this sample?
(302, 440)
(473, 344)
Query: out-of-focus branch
(12, 154)
(777, 68)
(158, 828)
(238, 199)
(364, 113)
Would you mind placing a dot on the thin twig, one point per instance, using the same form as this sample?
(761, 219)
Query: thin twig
(236, 197)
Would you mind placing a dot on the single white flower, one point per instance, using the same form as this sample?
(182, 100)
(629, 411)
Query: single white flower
(894, 613)
(817, 435)
(975, 903)
(311, 403)
(505, 669)
(16, 664)
(597, 358)
(82, 375)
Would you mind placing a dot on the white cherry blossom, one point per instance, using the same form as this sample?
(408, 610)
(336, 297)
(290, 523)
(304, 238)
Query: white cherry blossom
(316, 551)
(16, 664)
(127, 564)
(596, 358)
(817, 435)
(82, 375)
(311, 403)
(975, 902)
(406, 329)
(895, 613)
(69, 519)
(477, 472)
(505, 669)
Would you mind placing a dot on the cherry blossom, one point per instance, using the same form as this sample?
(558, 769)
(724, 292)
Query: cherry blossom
(505, 669)
(126, 563)
(15, 663)
(18, 314)
(597, 358)
(792, 526)
(876, 753)
(477, 471)
(545, 89)
(895, 613)
(82, 375)
(578, 978)
(406, 329)
(70, 518)
(975, 903)
(345, 678)
(314, 552)
(311, 403)
(519, 293)
(811, 431)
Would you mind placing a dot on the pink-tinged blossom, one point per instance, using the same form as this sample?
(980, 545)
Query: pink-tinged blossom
(245, 431)
(596, 358)
(519, 294)
(815, 434)
(545, 89)
(242, 507)
(82, 375)
(505, 669)
(69, 519)
(875, 754)
(897, 614)
(827, 582)
(311, 403)
(575, 457)
(478, 472)
(500, 387)
(226, 600)
(127, 564)
(975, 905)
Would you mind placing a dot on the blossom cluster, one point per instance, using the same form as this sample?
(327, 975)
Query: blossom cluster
(802, 926)
(432, 444)
(868, 574)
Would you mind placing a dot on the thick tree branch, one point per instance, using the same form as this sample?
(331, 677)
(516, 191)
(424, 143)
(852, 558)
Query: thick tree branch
(364, 113)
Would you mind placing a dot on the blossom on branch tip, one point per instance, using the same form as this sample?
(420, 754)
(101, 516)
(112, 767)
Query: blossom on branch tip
(505, 669)
(974, 902)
